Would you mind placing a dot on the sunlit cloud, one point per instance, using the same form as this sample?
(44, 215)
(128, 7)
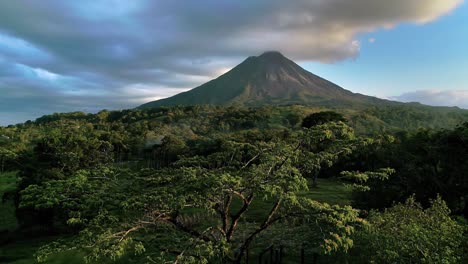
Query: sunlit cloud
(46, 75)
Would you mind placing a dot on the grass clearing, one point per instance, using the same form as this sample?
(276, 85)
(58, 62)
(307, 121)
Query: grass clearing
(328, 191)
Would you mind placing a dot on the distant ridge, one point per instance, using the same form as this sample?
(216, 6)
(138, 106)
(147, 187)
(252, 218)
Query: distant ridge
(267, 79)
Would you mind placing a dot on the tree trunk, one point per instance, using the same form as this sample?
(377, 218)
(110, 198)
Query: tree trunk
(268, 221)
(314, 179)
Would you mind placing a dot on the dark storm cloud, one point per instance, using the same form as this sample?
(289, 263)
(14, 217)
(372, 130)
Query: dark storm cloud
(74, 55)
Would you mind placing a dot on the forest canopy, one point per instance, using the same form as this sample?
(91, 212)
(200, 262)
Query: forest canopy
(209, 184)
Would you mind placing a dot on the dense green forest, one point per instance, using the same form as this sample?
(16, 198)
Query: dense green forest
(206, 184)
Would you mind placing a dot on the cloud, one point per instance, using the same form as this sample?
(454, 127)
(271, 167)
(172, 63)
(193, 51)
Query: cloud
(436, 97)
(372, 40)
(88, 47)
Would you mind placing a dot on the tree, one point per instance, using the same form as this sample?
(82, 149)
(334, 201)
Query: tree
(6, 156)
(323, 145)
(407, 233)
(171, 148)
(427, 163)
(56, 156)
(322, 118)
(195, 211)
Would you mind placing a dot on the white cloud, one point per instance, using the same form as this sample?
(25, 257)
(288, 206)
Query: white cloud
(436, 97)
(142, 93)
(46, 75)
(372, 40)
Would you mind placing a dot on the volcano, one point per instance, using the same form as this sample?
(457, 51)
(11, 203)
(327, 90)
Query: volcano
(269, 79)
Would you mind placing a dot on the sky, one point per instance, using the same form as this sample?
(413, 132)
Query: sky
(87, 55)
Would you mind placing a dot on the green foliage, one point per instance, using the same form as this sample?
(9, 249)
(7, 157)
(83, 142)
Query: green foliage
(6, 156)
(8, 182)
(407, 233)
(360, 179)
(154, 210)
(203, 183)
(411, 117)
(426, 163)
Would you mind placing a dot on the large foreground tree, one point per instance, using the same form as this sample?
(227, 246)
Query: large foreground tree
(200, 209)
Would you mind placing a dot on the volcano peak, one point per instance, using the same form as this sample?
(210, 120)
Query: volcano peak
(271, 54)
(269, 78)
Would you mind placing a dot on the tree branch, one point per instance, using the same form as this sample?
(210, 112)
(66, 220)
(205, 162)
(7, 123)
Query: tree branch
(125, 234)
(252, 159)
(235, 219)
(225, 213)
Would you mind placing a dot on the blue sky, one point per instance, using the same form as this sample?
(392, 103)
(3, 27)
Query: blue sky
(61, 56)
(407, 59)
